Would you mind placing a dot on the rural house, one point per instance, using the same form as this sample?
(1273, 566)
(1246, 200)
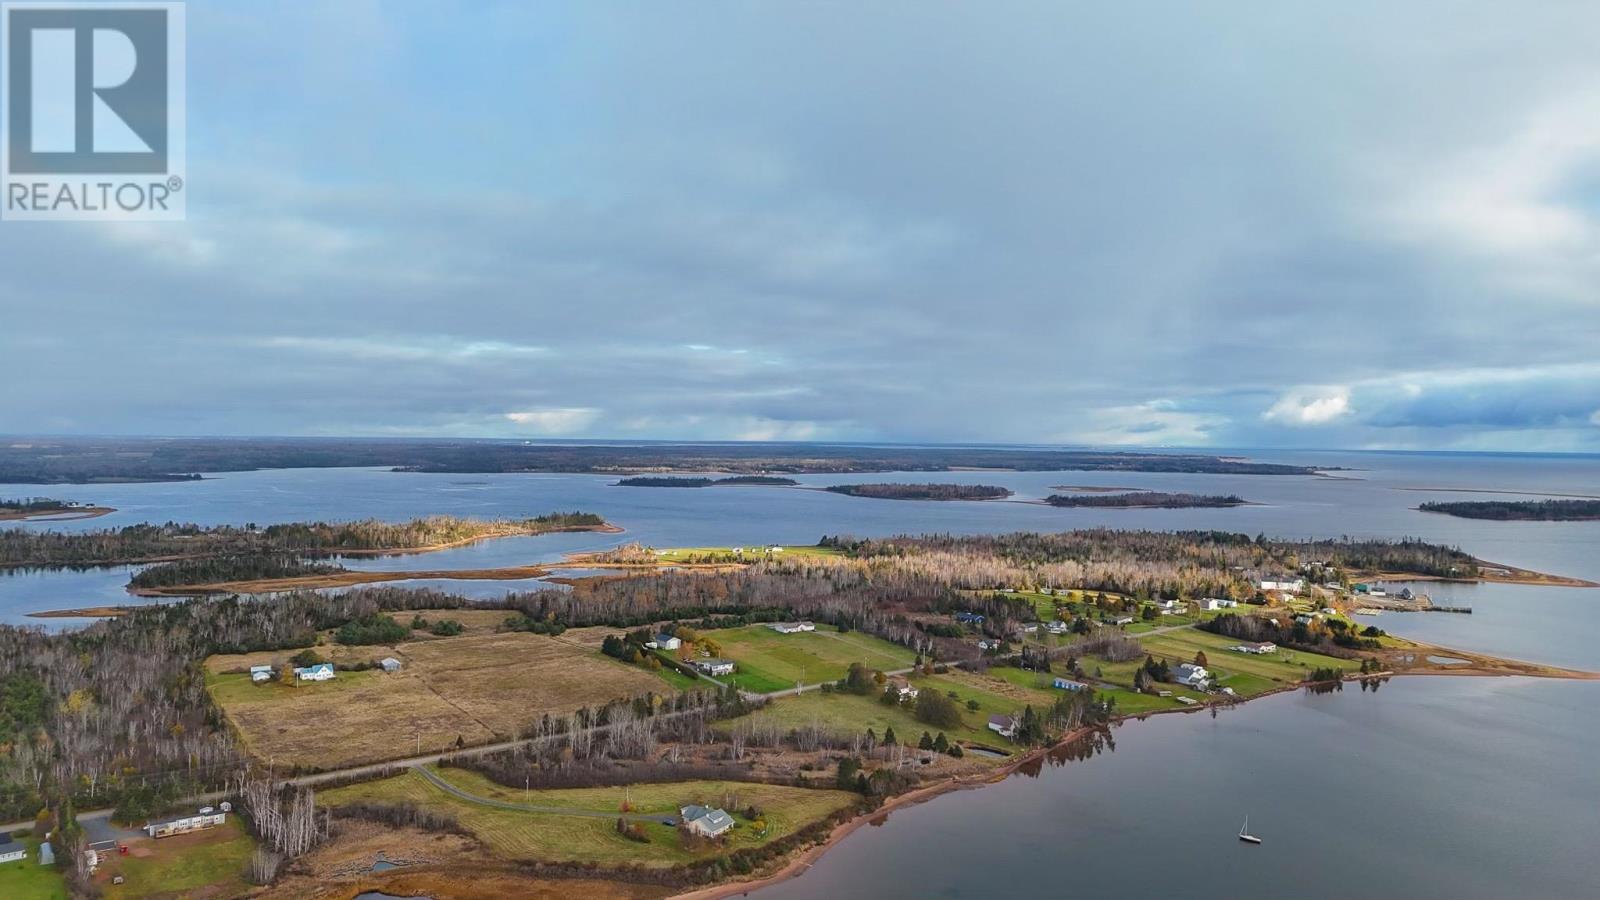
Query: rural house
(1067, 684)
(1191, 675)
(9, 850)
(259, 674)
(665, 641)
(390, 664)
(791, 627)
(705, 821)
(1292, 587)
(1211, 603)
(714, 666)
(318, 672)
(903, 688)
(186, 825)
(1258, 649)
(1005, 726)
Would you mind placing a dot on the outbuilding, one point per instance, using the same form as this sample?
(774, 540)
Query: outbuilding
(390, 664)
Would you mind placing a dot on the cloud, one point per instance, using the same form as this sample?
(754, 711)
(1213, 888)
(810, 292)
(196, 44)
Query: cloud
(1313, 406)
(555, 421)
(680, 225)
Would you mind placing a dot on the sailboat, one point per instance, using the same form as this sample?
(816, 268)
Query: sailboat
(1245, 835)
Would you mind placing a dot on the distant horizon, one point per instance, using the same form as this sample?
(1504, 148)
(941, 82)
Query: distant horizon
(589, 441)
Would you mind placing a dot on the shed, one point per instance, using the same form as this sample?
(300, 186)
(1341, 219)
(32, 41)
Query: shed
(390, 664)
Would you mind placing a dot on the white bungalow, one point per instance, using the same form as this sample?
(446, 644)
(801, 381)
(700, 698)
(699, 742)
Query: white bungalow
(318, 672)
(1260, 649)
(713, 666)
(665, 641)
(259, 674)
(1292, 587)
(1005, 726)
(1214, 603)
(792, 627)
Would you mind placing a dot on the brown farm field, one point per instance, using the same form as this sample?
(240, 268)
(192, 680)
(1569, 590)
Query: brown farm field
(477, 688)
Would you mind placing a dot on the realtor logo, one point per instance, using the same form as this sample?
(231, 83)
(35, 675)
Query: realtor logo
(93, 123)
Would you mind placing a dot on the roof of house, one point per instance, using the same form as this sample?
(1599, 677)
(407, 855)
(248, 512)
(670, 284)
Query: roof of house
(389, 659)
(1002, 721)
(255, 669)
(709, 818)
(313, 670)
(713, 661)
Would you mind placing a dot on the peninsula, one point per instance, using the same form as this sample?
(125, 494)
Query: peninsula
(1519, 510)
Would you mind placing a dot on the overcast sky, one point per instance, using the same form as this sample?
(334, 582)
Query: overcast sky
(1243, 224)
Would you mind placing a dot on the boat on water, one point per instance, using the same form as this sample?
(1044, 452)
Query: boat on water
(1245, 835)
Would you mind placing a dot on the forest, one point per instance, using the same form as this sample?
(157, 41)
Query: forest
(91, 460)
(1145, 499)
(33, 505)
(214, 570)
(922, 491)
(173, 541)
(1519, 510)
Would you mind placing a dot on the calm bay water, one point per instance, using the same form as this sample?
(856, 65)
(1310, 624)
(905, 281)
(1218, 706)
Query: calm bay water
(1431, 786)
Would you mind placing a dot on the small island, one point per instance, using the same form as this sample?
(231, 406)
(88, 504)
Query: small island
(1519, 510)
(685, 482)
(1146, 500)
(44, 507)
(922, 491)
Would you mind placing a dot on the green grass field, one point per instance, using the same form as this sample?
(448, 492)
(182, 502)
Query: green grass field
(552, 837)
(239, 690)
(846, 714)
(1247, 674)
(769, 661)
(25, 879)
(218, 863)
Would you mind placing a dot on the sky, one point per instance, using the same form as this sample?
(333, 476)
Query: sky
(1254, 224)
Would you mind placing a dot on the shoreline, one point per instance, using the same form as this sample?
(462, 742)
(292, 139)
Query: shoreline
(1512, 575)
(346, 578)
(70, 514)
(318, 553)
(1456, 515)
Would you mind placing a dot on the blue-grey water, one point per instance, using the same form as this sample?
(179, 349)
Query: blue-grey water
(1457, 788)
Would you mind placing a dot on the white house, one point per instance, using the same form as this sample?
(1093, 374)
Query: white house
(259, 674)
(318, 672)
(1122, 620)
(1260, 649)
(903, 688)
(1005, 726)
(186, 824)
(714, 666)
(988, 645)
(1211, 603)
(390, 664)
(665, 641)
(1191, 675)
(705, 821)
(791, 627)
(1293, 587)
(1170, 607)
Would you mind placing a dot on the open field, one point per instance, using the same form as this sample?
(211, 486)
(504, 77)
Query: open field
(555, 837)
(852, 713)
(769, 661)
(1245, 673)
(25, 878)
(181, 866)
(475, 688)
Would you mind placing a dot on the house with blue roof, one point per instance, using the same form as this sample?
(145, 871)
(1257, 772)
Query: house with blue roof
(318, 672)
